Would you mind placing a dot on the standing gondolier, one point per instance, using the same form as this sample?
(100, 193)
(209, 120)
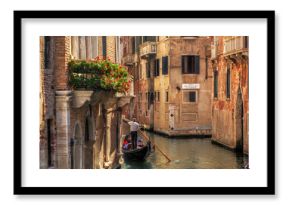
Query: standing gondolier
(134, 127)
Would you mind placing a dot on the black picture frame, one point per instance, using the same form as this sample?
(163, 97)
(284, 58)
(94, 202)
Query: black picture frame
(19, 189)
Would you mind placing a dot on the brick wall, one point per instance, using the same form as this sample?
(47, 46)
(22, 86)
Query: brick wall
(62, 57)
(224, 110)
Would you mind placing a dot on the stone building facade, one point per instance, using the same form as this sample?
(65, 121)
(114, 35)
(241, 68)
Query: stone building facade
(78, 129)
(230, 106)
(172, 83)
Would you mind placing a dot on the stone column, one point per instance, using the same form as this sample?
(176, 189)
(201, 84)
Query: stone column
(63, 101)
(108, 142)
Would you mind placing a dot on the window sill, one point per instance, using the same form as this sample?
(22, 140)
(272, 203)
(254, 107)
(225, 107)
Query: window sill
(190, 73)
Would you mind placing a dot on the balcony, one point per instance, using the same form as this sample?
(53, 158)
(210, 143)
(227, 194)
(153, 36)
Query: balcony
(234, 45)
(148, 48)
(100, 81)
(130, 59)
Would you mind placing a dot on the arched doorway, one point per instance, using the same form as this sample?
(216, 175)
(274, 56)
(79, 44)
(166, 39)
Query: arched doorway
(88, 144)
(239, 123)
(77, 149)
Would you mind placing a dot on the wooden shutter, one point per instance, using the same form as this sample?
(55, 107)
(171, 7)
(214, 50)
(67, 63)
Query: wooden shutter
(196, 64)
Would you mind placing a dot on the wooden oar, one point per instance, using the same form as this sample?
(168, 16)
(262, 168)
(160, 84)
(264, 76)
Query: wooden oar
(144, 135)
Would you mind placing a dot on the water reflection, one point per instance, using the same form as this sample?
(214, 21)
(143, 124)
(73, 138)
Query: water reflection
(189, 153)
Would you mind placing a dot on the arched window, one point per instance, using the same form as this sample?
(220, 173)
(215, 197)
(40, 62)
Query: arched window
(228, 82)
(215, 95)
(87, 131)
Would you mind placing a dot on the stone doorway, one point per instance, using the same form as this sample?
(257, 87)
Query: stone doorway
(239, 123)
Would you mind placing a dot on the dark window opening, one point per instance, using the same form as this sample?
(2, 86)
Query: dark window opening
(104, 45)
(206, 67)
(133, 45)
(246, 42)
(149, 38)
(157, 66)
(151, 97)
(228, 83)
(190, 64)
(167, 97)
(148, 100)
(189, 96)
(165, 65)
(215, 83)
(158, 96)
(47, 42)
(87, 134)
(148, 69)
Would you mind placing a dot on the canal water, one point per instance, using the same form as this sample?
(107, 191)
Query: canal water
(189, 153)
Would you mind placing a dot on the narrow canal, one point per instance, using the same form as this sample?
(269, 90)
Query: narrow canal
(189, 153)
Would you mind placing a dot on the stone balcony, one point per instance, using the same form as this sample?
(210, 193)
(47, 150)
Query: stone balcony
(148, 48)
(130, 59)
(236, 44)
(108, 98)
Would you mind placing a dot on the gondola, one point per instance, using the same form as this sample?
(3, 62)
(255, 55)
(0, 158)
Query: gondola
(139, 154)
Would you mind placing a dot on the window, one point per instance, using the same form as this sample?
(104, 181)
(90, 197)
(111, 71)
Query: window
(148, 100)
(151, 97)
(215, 83)
(87, 134)
(206, 67)
(148, 69)
(46, 51)
(157, 66)
(246, 42)
(149, 38)
(133, 46)
(138, 42)
(189, 96)
(190, 64)
(165, 65)
(166, 96)
(104, 44)
(228, 82)
(157, 96)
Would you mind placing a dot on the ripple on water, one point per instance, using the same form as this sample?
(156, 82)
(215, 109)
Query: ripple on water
(189, 153)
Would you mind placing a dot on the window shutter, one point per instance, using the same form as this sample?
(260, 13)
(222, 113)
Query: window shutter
(196, 64)
(165, 65)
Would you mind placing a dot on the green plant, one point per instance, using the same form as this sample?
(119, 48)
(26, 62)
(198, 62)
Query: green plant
(98, 74)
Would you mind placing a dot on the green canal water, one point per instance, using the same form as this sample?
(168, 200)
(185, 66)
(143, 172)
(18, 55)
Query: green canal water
(189, 153)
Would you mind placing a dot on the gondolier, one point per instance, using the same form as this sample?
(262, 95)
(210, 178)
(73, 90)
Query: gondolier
(134, 127)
